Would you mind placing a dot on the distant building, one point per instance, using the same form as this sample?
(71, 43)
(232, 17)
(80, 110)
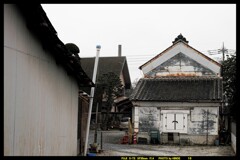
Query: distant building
(179, 96)
(122, 106)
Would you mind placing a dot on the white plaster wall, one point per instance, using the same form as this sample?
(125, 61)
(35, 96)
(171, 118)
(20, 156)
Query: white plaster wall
(199, 58)
(40, 99)
(196, 115)
(156, 62)
(149, 118)
(135, 118)
(197, 121)
(180, 47)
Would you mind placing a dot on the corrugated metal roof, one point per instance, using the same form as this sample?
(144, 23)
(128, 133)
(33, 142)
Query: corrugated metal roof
(178, 89)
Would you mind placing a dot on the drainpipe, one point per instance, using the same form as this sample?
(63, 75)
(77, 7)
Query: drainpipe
(91, 98)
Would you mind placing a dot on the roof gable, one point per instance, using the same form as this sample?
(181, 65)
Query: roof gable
(181, 47)
(180, 65)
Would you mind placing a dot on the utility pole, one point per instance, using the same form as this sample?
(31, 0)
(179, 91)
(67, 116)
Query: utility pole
(223, 50)
(218, 51)
(91, 99)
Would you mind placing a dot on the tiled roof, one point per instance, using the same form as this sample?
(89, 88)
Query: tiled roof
(178, 89)
(39, 24)
(107, 64)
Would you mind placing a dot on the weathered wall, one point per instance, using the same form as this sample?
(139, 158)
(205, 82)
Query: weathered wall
(83, 113)
(180, 64)
(203, 120)
(198, 118)
(189, 139)
(40, 99)
(189, 52)
(148, 118)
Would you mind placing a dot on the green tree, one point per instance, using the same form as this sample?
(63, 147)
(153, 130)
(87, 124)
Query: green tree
(229, 84)
(112, 88)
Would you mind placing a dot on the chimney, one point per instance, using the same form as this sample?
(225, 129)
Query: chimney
(119, 50)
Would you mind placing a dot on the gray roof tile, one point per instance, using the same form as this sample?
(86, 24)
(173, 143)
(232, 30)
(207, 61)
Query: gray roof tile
(107, 64)
(178, 89)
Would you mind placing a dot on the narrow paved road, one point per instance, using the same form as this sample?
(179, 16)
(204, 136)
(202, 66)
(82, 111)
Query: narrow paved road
(163, 150)
(111, 147)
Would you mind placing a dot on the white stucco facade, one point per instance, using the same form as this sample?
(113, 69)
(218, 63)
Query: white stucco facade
(193, 119)
(173, 51)
(179, 95)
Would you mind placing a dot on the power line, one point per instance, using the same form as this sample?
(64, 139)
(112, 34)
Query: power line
(224, 51)
(138, 58)
(141, 55)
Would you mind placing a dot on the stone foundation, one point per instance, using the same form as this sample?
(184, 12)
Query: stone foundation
(186, 139)
(181, 139)
(144, 135)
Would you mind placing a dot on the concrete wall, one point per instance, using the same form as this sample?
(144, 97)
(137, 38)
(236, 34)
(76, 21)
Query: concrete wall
(40, 99)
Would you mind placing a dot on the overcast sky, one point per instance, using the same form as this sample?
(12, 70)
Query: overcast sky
(143, 30)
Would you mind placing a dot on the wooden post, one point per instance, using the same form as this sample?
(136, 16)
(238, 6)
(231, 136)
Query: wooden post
(129, 131)
(207, 128)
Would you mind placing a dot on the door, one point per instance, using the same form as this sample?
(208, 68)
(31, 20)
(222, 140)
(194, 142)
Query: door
(175, 122)
(179, 121)
(170, 121)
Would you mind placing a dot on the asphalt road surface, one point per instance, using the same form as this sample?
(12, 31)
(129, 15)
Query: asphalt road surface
(111, 146)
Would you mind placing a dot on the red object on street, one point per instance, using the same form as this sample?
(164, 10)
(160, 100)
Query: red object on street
(124, 139)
